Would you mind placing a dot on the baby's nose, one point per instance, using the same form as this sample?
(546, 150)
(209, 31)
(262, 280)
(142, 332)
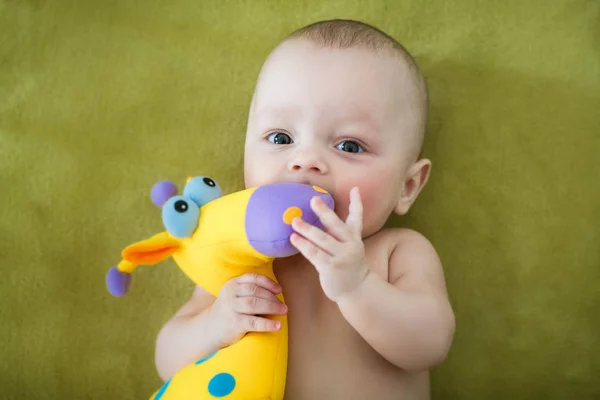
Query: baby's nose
(308, 160)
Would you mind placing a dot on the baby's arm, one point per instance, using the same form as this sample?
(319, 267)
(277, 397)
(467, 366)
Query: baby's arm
(187, 336)
(408, 318)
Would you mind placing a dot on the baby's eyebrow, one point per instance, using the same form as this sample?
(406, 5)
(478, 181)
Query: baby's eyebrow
(358, 121)
(269, 111)
(363, 120)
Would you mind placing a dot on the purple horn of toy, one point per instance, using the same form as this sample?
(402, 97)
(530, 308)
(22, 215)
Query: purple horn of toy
(162, 191)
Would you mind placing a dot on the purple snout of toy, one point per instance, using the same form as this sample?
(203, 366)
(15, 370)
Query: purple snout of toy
(267, 230)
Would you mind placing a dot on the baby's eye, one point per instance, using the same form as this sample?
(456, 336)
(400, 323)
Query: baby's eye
(279, 138)
(350, 146)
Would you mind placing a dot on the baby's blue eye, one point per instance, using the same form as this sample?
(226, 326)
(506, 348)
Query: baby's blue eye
(279, 138)
(180, 216)
(202, 189)
(350, 146)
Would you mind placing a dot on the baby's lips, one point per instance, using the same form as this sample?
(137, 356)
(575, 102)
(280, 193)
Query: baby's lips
(270, 211)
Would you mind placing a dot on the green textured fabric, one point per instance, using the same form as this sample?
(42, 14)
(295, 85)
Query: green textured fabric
(100, 99)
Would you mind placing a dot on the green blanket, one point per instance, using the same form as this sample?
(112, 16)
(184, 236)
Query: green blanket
(100, 99)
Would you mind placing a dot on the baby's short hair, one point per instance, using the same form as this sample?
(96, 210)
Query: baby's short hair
(347, 33)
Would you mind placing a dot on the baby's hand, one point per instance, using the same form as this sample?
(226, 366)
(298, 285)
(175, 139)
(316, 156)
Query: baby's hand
(339, 254)
(240, 302)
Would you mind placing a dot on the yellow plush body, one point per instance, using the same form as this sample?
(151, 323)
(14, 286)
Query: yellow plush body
(218, 250)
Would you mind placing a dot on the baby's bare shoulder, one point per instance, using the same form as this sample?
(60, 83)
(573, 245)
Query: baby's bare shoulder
(413, 262)
(400, 240)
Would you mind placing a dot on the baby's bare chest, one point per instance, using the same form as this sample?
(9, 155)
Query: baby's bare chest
(327, 358)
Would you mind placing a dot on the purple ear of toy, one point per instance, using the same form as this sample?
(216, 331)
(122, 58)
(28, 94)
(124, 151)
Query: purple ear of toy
(117, 282)
(163, 191)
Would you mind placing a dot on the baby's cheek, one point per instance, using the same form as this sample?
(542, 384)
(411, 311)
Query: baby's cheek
(342, 198)
(371, 199)
(258, 173)
(377, 201)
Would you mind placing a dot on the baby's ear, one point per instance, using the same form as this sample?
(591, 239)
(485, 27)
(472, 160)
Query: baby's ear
(415, 180)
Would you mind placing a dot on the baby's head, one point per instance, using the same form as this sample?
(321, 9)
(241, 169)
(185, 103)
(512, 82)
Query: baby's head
(340, 104)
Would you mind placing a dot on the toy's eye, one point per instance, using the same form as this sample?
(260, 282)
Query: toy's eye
(202, 189)
(181, 206)
(180, 216)
(209, 182)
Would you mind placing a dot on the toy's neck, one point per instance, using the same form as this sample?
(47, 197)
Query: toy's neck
(213, 270)
(213, 281)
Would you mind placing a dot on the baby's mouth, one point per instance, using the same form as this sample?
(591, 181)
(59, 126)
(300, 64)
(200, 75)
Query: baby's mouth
(308, 182)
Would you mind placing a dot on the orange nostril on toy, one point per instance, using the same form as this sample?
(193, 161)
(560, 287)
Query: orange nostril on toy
(319, 189)
(290, 214)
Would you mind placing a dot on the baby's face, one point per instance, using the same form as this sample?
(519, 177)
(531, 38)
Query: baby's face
(336, 119)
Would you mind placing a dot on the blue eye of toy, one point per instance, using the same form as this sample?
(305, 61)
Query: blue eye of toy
(181, 206)
(209, 182)
(202, 190)
(180, 216)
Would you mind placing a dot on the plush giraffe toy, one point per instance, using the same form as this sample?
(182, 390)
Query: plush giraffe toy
(214, 238)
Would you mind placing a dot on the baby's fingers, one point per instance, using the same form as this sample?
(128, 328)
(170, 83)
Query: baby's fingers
(253, 323)
(253, 305)
(355, 212)
(260, 280)
(252, 289)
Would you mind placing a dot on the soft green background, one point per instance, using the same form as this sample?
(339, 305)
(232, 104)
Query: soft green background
(100, 99)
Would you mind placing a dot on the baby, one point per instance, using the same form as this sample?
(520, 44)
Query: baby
(341, 105)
